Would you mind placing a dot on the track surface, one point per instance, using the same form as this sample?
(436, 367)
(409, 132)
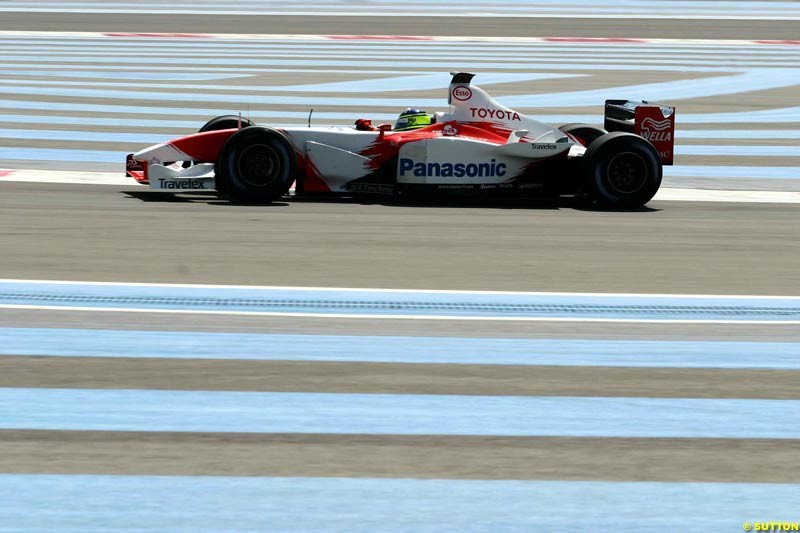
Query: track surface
(114, 233)
(108, 234)
(399, 25)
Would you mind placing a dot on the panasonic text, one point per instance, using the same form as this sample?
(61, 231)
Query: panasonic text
(453, 170)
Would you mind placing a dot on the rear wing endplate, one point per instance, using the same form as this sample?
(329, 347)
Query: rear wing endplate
(654, 122)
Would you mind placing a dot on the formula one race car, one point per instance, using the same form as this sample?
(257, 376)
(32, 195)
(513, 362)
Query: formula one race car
(479, 146)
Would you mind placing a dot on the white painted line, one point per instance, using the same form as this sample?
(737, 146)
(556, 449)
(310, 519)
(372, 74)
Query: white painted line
(709, 195)
(396, 317)
(70, 177)
(377, 290)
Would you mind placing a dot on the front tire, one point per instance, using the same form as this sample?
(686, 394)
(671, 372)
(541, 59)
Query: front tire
(224, 122)
(622, 170)
(256, 164)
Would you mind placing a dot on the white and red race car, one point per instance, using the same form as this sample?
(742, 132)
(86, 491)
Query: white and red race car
(478, 146)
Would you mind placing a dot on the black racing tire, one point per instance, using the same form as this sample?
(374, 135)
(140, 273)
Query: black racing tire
(621, 170)
(586, 133)
(256, 164)
(224, 122)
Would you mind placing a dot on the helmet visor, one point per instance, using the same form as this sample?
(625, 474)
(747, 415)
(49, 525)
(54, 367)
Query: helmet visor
(410, 122)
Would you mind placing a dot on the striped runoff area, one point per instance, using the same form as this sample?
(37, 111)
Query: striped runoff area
(396, 304)
(707, 10)
(174, 503)
(248, 428)
(81, 101)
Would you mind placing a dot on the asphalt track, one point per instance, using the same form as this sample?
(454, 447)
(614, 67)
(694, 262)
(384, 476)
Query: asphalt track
(114, 233)
(107, 233)
(399, 25)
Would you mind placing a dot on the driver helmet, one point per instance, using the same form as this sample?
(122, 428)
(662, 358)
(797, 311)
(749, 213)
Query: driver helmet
(411, 119)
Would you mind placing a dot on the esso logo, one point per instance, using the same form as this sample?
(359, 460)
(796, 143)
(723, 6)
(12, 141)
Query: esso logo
(449, 130)
(462, 93)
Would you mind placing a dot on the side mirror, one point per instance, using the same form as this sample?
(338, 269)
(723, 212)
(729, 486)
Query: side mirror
(383, 128)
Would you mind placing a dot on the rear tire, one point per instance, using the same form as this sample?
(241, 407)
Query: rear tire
(256, 164)
(622, 170)
(585, 133)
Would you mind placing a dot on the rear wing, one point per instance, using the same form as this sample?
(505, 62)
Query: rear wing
(654, 122)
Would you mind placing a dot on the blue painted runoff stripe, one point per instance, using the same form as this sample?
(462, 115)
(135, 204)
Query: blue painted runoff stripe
(736, 134)
(88, 503)
(56, 154)
(392, 349)
(122, 75)
(770, 116)
(366, 302)
(478, 64)
(463, 55)
(395, 414)
(720, 51)
(419, 82)
(35, 68)
(206, 113)
(750, 80)
(489, 11)
(739, 150)
(550, 62)
(264, 40)
(187, 126)
(88, 136)
(752, 172)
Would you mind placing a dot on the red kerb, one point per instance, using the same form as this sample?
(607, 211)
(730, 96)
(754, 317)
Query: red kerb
(785, 41)
(162, 35)
(379, 37)
(593, 40)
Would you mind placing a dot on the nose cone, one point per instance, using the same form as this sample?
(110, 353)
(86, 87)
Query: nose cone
(160, 153)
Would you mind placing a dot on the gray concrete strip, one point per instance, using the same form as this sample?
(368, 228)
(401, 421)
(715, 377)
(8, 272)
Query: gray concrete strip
(399, 25)
(112, 234)
(557, 458)
(394, 378)
(26, 318)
